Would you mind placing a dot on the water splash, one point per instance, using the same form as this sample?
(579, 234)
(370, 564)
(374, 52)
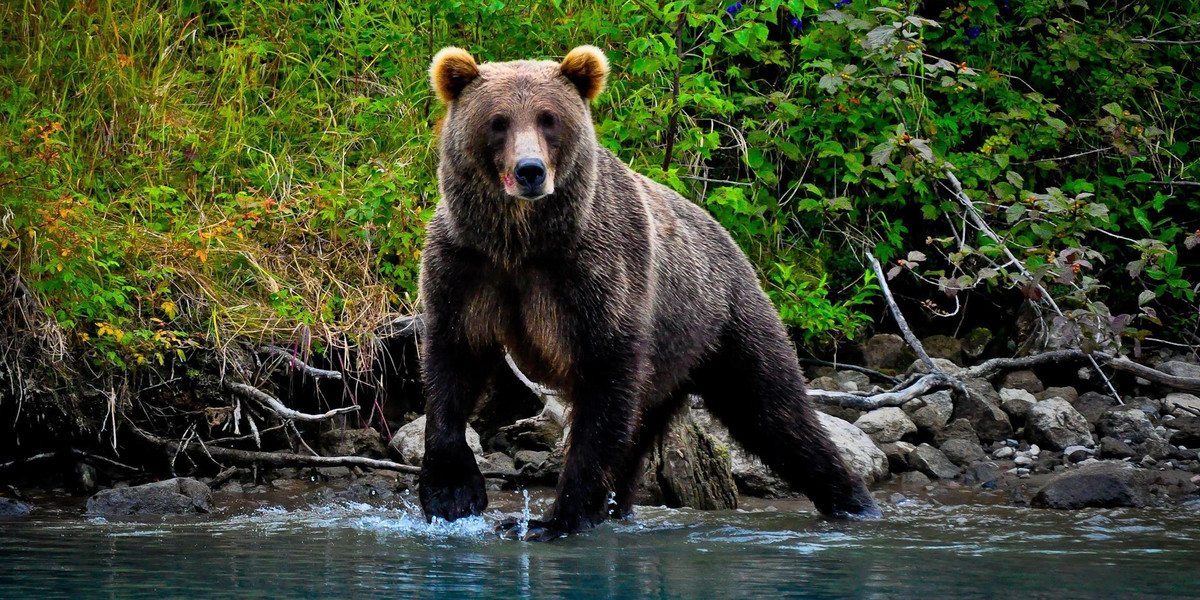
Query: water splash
(523, 524)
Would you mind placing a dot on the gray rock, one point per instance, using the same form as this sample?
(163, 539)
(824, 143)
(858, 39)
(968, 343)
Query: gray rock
(689, 467)
(825, 383)
(853, 381)
(1187, 431)
(1182, 405)
(887, 351)
(897, 455)
(1156, 448)
(962, 452)
(498, 462)
(1077, 454)
(330, 473)
(1179, 368)
(353, 442)
(913, 479)
(1023, 380)
(981, 408)
(859, 452)
(1004, 452)
(975, 343)
(944, 346)
(959, 429)
(841, 412)
(409, 442)
(1130, 425)
(886, 424)
(1112, 448)
(171, 497)
(10, 507)
(1022, 460)
(1102, 485)
(373, 488)
(530, 458)
(943, 365)
(985, 473)
(932, 462)
(930, 412)
(1092, 405)
(1067, 393)
(1016, 402)
(1055, 424)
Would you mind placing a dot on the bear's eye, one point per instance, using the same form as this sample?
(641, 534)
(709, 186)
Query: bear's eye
(547, 120)
(499, 123)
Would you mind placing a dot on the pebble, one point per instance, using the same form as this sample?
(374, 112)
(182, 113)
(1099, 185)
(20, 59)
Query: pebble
(1005, 452)
(1023, 460)
(1023, 473)
(1012, 443)
(1034, 450)
(1149, 461)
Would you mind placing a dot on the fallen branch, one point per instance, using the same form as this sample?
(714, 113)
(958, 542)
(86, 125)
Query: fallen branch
(925, 384)
(274, 404)
(904, 328)
(288, 459)
(72, 452)
(295, 363)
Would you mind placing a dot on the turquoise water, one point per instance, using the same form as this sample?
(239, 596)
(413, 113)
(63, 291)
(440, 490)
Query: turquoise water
(919, 549)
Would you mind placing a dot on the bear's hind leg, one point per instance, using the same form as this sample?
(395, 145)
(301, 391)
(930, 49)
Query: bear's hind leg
(754, 386)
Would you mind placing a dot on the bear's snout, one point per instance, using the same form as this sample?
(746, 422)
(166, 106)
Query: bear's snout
(531, 174)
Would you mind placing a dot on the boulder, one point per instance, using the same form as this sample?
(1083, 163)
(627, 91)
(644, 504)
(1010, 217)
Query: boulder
(10, 507)
(171, 497)
(409, 442)
(930, 412)
(853, 381)
(975, 343)
(689, 467)
(886, 424)
(1093, 404)
(944, 346)
(1016, 402)
(897, 455)
(1182, 405)
(753, 478)
(1112, 448)
(1101, 485)
(1179, 368)
(981, 408)
(913, 479)
(859, 452)
(962, 452)
(1067, 393)
(1187, 432)
(1055, 424)
(372, 488)
(353, 442)
(1130, 425)
(959, 429)
(887, 351)
(825, 383)
(932, 462)
(984, 473)
(943, 365)
(1023, 380)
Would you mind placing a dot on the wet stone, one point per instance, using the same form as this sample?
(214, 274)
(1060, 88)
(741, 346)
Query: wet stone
(932, 462)
(173, 496)
(10, 507)
(962, 452)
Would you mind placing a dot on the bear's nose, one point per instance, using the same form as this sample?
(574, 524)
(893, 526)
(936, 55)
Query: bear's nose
(530, 172)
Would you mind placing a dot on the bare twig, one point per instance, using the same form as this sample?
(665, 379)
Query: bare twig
(274, 404)
(1142, 40)
(895, 397)
(287, 459)
(295, 363)
(904, 328)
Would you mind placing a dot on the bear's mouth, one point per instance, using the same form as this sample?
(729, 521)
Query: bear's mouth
(529, 193)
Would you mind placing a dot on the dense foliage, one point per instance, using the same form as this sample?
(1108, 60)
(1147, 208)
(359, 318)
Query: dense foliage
(189, 171)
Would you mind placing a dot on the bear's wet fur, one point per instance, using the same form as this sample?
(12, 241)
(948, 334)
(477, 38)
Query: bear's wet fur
(601, 283)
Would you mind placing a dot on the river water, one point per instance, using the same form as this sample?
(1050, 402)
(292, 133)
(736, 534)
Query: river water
(920, 549)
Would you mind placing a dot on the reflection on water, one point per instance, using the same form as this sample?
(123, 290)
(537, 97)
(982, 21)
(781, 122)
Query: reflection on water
(355, 550)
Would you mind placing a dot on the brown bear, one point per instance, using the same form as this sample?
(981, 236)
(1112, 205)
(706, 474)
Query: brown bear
(600, 283)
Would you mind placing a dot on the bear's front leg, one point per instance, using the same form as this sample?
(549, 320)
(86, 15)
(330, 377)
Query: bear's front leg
(603, 416)
(450, 485)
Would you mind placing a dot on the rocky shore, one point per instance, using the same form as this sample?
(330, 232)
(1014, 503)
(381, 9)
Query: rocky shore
(1049, 438)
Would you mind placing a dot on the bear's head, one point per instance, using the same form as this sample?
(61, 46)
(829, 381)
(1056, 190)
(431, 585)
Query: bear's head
(517, 131)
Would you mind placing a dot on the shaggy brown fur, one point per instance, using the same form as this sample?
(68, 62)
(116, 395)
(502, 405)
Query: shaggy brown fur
(601, 283)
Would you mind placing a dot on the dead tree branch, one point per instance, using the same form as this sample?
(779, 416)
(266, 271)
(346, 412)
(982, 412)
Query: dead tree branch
(295, 363)
(274, 404)
(899, 316)
(286, 459)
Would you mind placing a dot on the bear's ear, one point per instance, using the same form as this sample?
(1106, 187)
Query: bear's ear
(587, 68)
(451, 71)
